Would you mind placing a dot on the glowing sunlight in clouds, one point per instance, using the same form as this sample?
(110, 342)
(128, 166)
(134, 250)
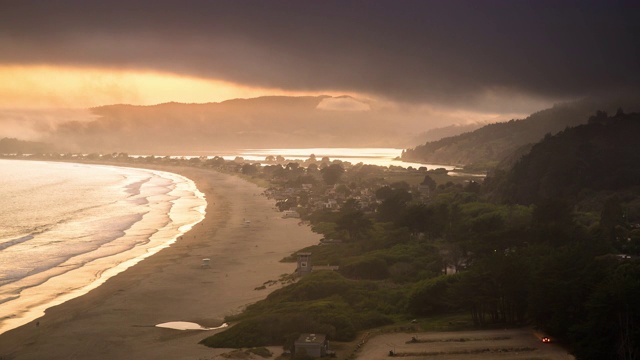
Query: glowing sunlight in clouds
(43, 86)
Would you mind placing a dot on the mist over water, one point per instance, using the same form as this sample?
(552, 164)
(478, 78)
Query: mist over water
(65, 228)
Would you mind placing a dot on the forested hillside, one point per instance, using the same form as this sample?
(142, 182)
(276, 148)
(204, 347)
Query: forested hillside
(487, 146)
(445, 132)
(576, 163)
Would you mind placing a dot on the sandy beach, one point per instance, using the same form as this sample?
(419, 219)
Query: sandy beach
(117, 320)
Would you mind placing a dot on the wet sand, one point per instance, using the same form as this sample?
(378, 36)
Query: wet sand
(117, 320)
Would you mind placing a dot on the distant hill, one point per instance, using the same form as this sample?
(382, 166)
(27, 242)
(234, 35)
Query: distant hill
(487, 146)
(15, 146)
(601, 156)
(264, 122)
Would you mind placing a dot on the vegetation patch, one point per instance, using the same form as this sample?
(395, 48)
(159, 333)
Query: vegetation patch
(415, 340)
(261, 351)
(247, 354)
(323, 302)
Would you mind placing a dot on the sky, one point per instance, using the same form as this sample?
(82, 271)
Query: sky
(483, 58)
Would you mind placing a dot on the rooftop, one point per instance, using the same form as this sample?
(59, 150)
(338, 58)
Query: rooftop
(312, 338)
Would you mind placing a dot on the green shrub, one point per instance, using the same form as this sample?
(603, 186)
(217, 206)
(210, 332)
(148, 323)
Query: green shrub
(261, 351)
(323, 302)
(366, 267)
(429, 297)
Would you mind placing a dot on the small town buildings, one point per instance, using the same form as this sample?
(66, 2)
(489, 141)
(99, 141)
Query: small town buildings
(315, 345)
(331, 204)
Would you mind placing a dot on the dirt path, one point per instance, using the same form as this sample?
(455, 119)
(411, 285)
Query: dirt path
(517, 344)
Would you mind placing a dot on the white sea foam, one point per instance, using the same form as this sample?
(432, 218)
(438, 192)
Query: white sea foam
(65, 228)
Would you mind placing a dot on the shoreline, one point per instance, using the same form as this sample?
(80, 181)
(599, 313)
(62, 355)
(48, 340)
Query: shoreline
(79, 280)
(117, 319)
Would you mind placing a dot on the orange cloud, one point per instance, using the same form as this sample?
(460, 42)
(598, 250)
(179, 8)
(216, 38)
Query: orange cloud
(44, 86)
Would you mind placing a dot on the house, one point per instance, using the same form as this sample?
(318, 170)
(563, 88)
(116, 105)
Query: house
(331, 204)
(315, 345)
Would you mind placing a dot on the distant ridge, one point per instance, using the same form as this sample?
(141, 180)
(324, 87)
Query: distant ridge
(485, 147)
(262, 122)
(446, 131)
(15, 146)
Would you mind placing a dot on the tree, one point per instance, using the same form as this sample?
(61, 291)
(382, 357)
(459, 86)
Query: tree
(343, 190)
(473, 187)
(292, 166)
(384, 193)
(429, 297)
(215, 161)
(611, 216)
(312, 169)
(614, 310)
(365, 267)
(568, 273)
(435, 220)
(350, 205)
(393, 207)
(599, 117)
(494, 290)
(552, 220)
(428, 181)
(332, 173)
(354, 223)
(312, 158)
(276, 171)
(249, 169)
(401, 185)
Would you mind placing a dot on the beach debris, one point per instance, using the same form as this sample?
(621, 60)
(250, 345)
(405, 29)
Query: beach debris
(205, 263)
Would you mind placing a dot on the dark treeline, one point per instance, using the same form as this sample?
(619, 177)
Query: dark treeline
(15, 146)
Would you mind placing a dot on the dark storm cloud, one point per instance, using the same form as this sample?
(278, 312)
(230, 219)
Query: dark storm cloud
(475, 53)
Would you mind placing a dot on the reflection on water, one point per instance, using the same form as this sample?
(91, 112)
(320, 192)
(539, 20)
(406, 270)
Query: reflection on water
(371, 156)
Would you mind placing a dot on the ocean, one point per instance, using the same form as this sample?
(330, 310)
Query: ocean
(65, 228)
